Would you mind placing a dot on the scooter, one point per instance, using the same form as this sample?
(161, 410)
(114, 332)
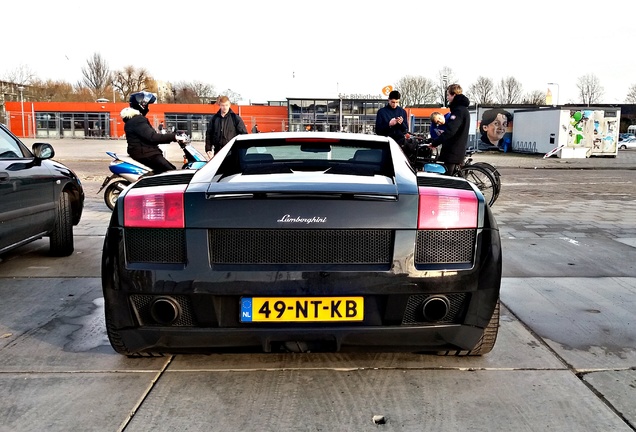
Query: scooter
(125, 171)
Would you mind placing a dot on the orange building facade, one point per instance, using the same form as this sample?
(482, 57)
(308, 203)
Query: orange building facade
(55, 120)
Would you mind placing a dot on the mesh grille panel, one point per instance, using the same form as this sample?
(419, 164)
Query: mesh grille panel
(413, 312)
(246, 246)
(443, 182)
(445, 246)
(155, 245)
(141, 303)
(166, 180)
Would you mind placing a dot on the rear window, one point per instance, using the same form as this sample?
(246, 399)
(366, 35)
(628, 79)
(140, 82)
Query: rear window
(331, 156)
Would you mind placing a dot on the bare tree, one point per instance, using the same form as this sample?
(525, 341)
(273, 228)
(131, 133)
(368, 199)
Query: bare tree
(195, 92)
(590, 89)
(130, 80)
(234, 97)
(53, 91)
(184, 93)
(96, 75)
(111, 91)
(445, 77)
(536, 97)
(631, 95)
(509, 91)
(205, 92)
(482, 91)
(21, 75)
(416, 90)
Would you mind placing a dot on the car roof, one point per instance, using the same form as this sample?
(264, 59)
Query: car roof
(313, 135)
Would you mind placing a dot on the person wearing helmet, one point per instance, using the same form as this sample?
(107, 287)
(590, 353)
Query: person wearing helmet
(143, 140)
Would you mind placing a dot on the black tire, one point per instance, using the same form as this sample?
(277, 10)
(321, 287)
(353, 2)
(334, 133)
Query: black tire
(487, 341)
(495, 173)
(118, 344)
(112, 192)
(483, 179)
(623, 147)
(61, 238)
(115, 340)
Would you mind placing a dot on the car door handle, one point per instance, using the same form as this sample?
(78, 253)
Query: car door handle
(4, 177)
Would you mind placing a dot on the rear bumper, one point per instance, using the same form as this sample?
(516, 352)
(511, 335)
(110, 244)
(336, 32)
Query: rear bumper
(381, 339)
(208, 301)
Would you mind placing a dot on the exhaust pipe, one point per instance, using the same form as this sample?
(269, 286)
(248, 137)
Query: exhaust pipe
(435, 308)
(165, 310)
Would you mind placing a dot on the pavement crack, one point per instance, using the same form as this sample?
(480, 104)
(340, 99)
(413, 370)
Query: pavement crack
(145, 395)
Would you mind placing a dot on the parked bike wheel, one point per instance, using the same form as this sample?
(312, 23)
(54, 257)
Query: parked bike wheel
(483, 179)
(112, 192)
(493, 170)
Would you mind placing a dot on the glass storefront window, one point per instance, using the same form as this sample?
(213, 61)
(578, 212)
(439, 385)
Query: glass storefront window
(194, 125)
(371, 108)
(46, 120)
(321, 106)
(421, 126)
(307, 106)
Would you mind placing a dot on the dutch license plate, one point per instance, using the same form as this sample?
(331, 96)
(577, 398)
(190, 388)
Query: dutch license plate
(301, 309)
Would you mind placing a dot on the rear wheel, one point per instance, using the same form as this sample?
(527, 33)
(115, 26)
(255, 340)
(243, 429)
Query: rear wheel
(118, 344)
(487, 341)
(483, 179)
(112, 192)
(495, 173)
(61, 238)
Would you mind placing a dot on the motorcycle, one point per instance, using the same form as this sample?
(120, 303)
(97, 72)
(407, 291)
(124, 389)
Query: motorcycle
(126, 171)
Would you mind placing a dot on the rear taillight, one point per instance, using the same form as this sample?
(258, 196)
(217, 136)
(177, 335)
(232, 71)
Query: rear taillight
(155, 207)
(447, 208)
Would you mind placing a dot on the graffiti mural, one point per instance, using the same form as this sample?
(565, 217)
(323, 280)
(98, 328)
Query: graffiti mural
(495, 128)
(591, 129)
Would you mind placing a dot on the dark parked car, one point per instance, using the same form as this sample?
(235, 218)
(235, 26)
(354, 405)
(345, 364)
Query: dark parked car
(302, 241)
(38, 196)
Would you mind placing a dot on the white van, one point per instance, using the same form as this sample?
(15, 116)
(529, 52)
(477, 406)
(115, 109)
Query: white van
(631, 129)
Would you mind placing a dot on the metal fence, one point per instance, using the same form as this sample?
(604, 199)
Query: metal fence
(81, 125)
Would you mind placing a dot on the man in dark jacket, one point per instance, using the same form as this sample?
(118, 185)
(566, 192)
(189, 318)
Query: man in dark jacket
(455, 137)
(392, 120)
(223, 126)
(143, 140)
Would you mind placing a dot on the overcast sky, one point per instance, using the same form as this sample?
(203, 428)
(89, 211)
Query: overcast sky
(272, 50)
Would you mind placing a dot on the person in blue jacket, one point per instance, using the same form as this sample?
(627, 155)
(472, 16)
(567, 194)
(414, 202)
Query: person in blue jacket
(438, 123)
(392, 120)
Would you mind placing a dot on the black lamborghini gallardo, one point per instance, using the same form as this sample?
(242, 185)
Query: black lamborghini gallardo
(302, 241)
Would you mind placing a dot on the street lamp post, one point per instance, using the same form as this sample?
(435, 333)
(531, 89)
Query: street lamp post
(21, 89)
(445, 84)
(558, 91)
(340, 113)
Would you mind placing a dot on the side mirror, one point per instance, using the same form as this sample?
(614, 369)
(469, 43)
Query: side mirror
(43, 150)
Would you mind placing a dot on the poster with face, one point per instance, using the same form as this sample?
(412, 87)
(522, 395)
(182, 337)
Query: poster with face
(494, 127)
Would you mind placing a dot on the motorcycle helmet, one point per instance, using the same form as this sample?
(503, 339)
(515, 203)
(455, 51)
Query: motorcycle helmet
(141, 100)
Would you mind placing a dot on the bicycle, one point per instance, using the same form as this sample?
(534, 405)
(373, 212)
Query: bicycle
(491, 168)
(482, 174)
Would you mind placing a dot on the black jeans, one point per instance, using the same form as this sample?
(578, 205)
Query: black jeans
(157, 163)
(451, 168)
